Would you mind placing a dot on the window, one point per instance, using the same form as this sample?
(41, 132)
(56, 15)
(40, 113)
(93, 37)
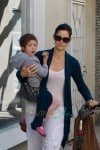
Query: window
(9, 86)
(10, 31)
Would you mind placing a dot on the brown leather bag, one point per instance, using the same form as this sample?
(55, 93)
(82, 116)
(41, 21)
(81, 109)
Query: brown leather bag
(89, 138)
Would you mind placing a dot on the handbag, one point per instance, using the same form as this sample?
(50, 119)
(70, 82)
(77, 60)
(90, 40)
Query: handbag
(28, 92)
(89, 139)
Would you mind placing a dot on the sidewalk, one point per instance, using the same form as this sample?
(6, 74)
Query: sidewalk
(23, 146)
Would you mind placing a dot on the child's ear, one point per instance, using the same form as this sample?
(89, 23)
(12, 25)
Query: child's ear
(23, 49)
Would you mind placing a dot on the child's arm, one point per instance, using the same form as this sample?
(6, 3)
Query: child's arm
(42, 70)
(45, 57)
(18, 60)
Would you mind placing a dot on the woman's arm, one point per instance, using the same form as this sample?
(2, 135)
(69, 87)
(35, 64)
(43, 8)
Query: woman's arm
(82, 87)
(78, 78)
(26, 72)
(20, 78)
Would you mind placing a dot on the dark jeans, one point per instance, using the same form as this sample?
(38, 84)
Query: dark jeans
(44, 100)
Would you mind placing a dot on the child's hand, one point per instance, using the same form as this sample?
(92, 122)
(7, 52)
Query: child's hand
(45, 54)
(45, 57)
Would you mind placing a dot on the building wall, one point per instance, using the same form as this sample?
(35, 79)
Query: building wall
(5, 48)
(10, 30)
(9, 19)
(33, 19)
(97, 59)
(90, 25)
(56, 13)
(97, 53)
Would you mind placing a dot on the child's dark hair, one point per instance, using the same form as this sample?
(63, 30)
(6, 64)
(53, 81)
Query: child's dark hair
(26, 38)
(65, 27)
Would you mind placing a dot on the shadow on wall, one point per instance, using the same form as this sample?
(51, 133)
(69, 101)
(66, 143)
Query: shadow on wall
(3, 5)
(8, 28)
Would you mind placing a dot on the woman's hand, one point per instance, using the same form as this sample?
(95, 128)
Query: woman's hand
(28, 71)
(92, 103)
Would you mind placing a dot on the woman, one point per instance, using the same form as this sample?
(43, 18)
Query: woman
(62, 67)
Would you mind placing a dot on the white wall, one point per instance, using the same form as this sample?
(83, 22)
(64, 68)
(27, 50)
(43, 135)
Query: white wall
(33, 15)
(56, 13)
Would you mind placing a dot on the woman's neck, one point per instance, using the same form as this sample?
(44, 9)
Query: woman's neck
(58, 60)
(58, 53)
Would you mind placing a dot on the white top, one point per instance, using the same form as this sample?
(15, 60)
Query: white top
(55, 85)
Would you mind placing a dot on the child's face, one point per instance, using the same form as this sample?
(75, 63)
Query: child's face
(31, 47)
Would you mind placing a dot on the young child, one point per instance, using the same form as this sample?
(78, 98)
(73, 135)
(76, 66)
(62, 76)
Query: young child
(29, 43)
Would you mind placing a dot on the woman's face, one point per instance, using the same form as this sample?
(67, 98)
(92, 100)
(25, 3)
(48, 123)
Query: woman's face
(61, 39)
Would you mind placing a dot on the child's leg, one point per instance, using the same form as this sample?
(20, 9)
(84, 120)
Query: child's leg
(22, 124)
(55, 104)
(43, 102)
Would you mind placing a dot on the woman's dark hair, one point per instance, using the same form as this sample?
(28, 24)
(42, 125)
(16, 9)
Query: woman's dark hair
(26, 38)
(64, 26)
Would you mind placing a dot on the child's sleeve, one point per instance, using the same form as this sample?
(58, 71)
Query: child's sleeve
(42, 70)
